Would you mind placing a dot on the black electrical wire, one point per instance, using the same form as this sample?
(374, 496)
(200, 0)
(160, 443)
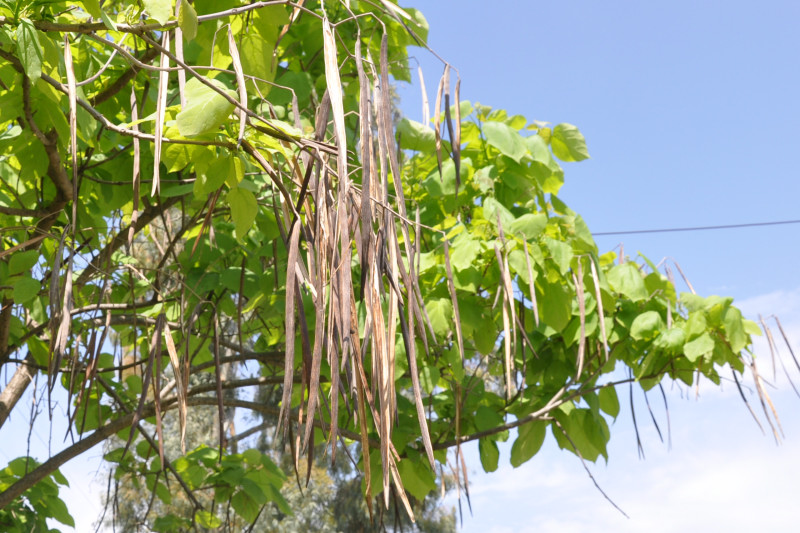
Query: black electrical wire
(697, 228)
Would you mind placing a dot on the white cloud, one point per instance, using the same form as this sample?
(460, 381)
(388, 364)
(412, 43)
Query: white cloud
(781, 303)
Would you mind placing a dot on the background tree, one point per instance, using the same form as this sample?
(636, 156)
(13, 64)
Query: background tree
(409, 288)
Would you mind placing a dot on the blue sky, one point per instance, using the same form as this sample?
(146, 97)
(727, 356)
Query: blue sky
(689, 110)
(691, 118)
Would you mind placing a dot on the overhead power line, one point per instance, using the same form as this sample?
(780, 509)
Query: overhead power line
(698, 228)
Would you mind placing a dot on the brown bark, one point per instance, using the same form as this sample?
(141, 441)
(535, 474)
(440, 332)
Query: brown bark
(15, 388)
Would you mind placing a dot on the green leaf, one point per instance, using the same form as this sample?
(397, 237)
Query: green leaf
(417, 478)
(254, 490)
(300, 82)
(485, 337)
(110, 24)
(420, 27)
(214, 175)
(490, 454)
(245, 506)
(627, 280)
(440, 311)
(528, 443)
(244, 209)
(609, 402)
(270, 17)
(735, 330)
(256, 55)
(60, 479)
(26, 290)
(492, 208)
(163, 493)
(555, 304)
(22, 262)
(416, 136)
(485, 177)
(176, 156)
(429, 377)
(518, 264)
(505, 139)
(252, 456)
(192, 473)
(699, 347)
(205, 110)
(696, 325)
(92, 7)
(56, 508)
(29, 49)
(464, 251)
(207, 519)
(529, 225)
(187, 20)
(161, 10)
(487, 418)
(538, 149)
(170, 522)
(445, 184)
(568, 143)
(671, 340)
(646, 325)
(751, 328)
(589, 433)
(561, 253)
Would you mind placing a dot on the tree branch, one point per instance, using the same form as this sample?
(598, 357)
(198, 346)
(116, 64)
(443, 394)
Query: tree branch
(15, 388)
(54, 463)
(123, 80)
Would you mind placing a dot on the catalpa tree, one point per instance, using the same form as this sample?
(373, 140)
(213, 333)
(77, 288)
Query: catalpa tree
(187, 187)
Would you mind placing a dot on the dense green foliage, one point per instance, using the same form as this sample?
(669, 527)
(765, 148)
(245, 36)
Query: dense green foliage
(405, 288)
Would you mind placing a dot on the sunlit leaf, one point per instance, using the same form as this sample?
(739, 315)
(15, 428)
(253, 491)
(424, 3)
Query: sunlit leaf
(416, 136)
(699, 347)
(646, 325)
(627, 280)
(529, 225)
(29, 49)
(187, 20)
(243, 209)
(505, 139)
(671, 340)
(568, 143)
(92, 7)
(206, 109)
(256, 56)
(161, 10)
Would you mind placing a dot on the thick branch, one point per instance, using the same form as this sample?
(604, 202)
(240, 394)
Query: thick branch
(5, 328)
(54, 463)
(21, 212)
(15, 388)
(238, 383)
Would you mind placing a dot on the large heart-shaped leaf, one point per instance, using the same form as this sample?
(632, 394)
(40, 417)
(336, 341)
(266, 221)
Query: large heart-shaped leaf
(205, 109)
